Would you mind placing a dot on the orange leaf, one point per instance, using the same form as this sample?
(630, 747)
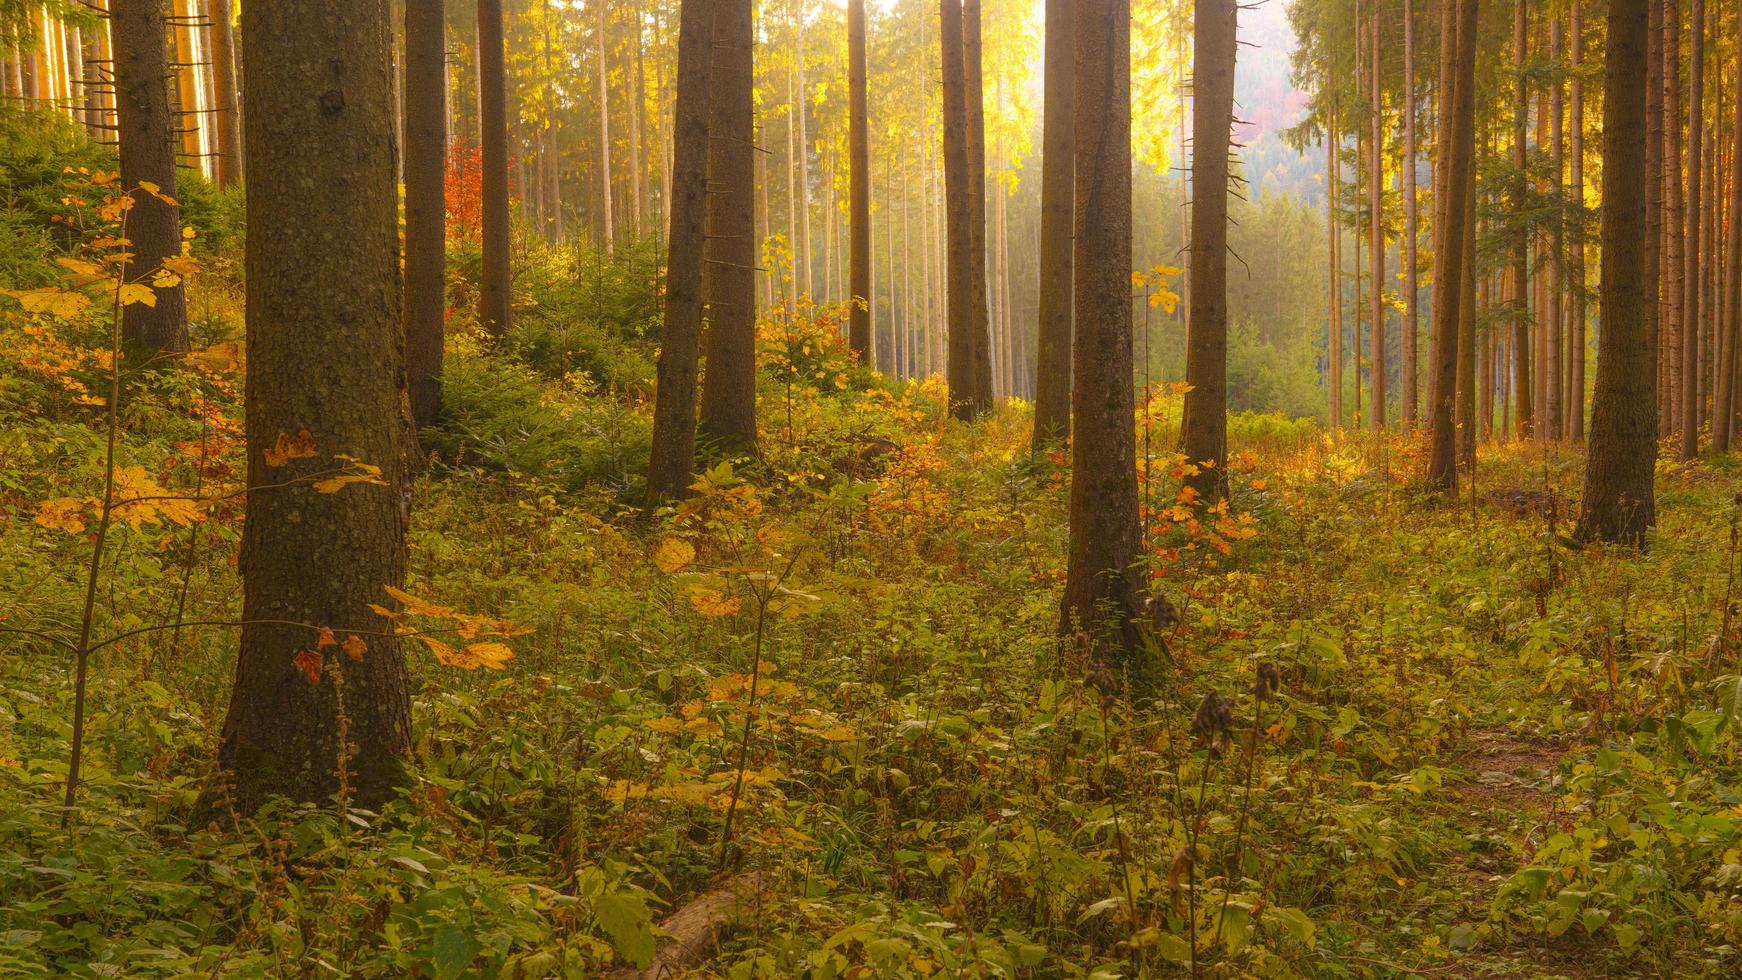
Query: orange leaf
(287, 449)
(354, 647)
(309, 662)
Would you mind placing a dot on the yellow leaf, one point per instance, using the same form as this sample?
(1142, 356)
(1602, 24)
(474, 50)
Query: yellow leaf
(418, 607)
(63, 303)
(134, 292)
(839, 733)
(714, 605)
(665, 723)
(364, 474)
(674, 555)
(62, 514)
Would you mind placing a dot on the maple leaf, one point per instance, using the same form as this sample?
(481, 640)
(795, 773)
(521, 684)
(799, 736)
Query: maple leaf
(492, 655)
(286, 449)
(354, 647)
(63, 514)
(361, 473)
(416, 606)
(674, 555)
(63, 303)
(309, 662)
(134, 292)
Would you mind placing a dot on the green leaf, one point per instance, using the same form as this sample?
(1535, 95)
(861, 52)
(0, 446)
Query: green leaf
(625, 918)
(453, 951)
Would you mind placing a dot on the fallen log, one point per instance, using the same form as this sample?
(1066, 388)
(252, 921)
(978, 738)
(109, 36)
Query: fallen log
(689, 935)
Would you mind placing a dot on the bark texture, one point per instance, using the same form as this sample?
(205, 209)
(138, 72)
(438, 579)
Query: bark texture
(426, 148)
(324, 355)
(147, 125)
(729, 281)
(859, 187)
(966, 331)
(1204, 424)
(1052, 375)
(1619, 502)
(672, 460)
(495, 293)
(1459, 143)
(227, 118)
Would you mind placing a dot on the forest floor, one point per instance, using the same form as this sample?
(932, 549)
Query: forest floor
(1394, 736)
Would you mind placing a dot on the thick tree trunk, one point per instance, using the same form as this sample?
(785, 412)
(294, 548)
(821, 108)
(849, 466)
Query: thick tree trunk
(425, 208)
(973, 94)
(325, 356)
(1689, 407)
(1460, 145)
(227, 121)
(1103, 599)
(1724, 393)
(1376, 230)
(147, 124)
(1619, 502)
(1411, 281)
(966, 330)
(1523, 341)
(1576, 340)
(1204, 423)
(495, 293)
(672, 459)
(1052, 374)
(859, 187)
(729, 389)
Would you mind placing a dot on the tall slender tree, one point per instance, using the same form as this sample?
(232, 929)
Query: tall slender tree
(325, 358)
(1459, 121)
(729, 388)
(967, 324)
(495, 292)
(147, 124)
(1523, 371)
(1724, 386)
(1204, 424)
(227, 118)
(974, 99)
(1576, 238)
(859, 187)
(1052, 399)
(672, 458)
(425, 208)
(1689, 407)
(1376, 227)
(1411, 277)
(1103, 597)
(1619, 502)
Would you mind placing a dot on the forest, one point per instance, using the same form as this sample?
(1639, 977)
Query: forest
(870, 488)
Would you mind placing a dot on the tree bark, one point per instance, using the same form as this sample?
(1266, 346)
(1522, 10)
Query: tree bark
(1334, 224)
(607, 215)
(1523, 342)
(1576, 340)
(672, 459)
(325, 355)
(1204, 423)
(1376, 230)
(859, 187)
(1724, 387)
(495, 293)
(147, 124)
(1411, 279)
(729, 388)
(802, 247)
(1103, 597)
(1619, 502)
(227, 121)
(1052, 399)
(1672, 324)
(1689, 407)
(973, 93)
(1554, 323)
(425, 206)
(966, 329)
(1460, 145)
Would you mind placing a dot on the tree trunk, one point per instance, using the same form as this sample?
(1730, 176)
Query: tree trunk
(495, 293)
(1103, 598)
(1376, 230)
(802, 268)
(1523, 341)
(966, 330)
(672, 459)
(1576, 340)
(1654, 194)
(1467, 343)
(1724, 387)
(609, 242)
(729, 389)
(859, 187)
(1204, 424)
(425, 208)
(1334, 224)
(1052, 397)
(638, 216)
(1689, 408)
(1411, 280)
(973, 94)
(147, 135)
(1619, 502)
(1459, 121)
(227, 120)
(1672, 323)
(325, 357)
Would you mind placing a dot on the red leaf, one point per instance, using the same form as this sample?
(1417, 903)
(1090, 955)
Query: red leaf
(309, 662)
